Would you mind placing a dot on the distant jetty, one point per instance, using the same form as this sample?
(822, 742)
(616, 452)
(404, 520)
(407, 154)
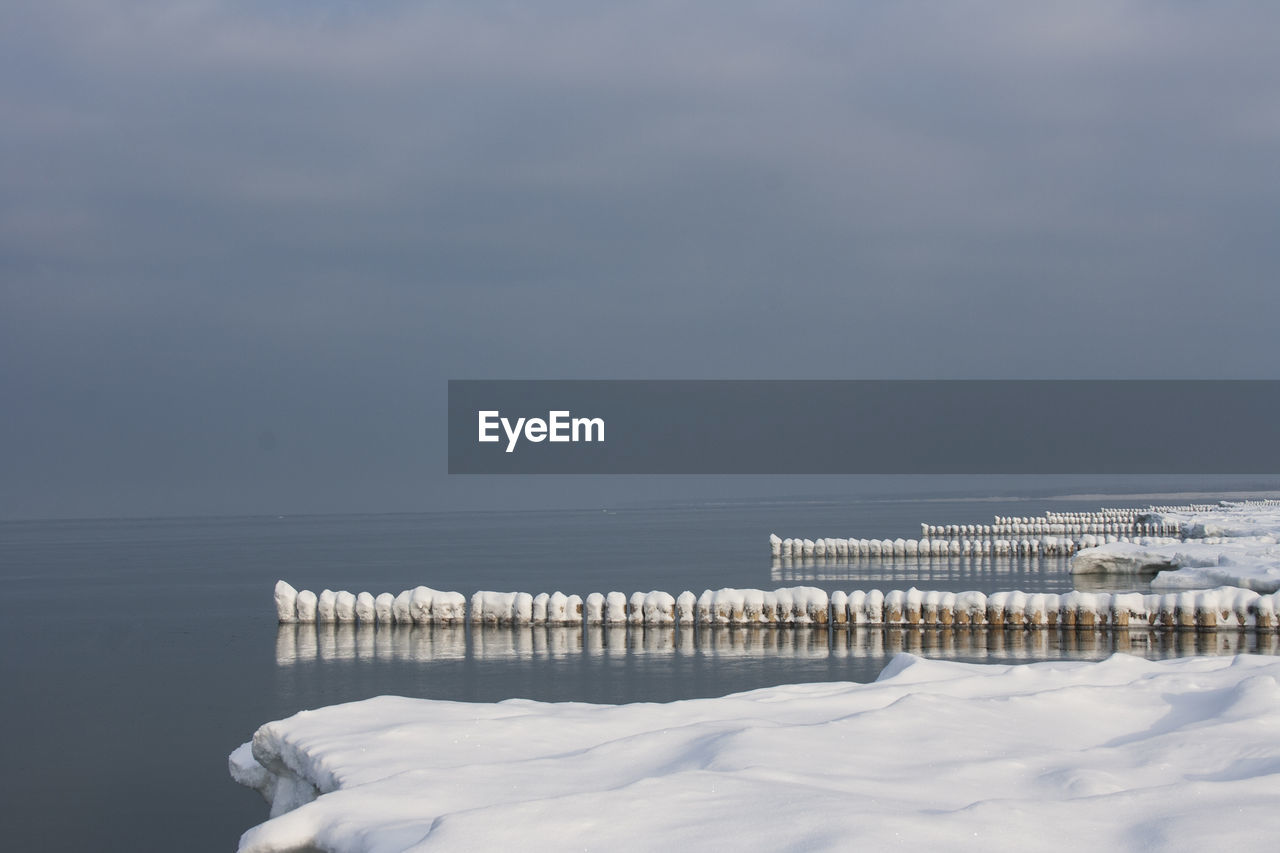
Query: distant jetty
(1054, 533)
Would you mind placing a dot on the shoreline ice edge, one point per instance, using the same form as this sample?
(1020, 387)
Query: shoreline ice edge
(1121, 752)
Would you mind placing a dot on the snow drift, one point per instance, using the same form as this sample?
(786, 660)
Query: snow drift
(1119, 754)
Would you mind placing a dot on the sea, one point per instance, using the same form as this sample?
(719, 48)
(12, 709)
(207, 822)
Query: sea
(138, 653)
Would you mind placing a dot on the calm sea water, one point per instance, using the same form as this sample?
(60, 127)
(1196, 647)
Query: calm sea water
(139, 653)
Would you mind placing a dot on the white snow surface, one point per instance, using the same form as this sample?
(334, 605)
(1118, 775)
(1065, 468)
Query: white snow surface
(1229, 520)
(1248, 564)
(1231, 545)
(1120, 754)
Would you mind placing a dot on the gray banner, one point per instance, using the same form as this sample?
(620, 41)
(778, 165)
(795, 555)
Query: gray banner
(864, 427)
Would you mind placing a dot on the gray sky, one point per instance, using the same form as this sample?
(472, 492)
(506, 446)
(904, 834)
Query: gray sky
(243, 245)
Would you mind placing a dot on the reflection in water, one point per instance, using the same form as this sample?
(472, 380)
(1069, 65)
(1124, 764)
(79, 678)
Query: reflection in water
(303, 643)
(1021, 644)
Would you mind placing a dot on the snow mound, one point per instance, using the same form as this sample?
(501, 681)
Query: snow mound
(1231, 544)
(1118, 754)
(1249, 564)
(1229, 519)
(1121, 558)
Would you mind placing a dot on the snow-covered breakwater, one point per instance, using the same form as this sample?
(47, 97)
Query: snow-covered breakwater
(1225, 607)
(800, 605)
(1054, 533)
(976, 543)
(1049, 534)
(1118, 754)
(1191, 546)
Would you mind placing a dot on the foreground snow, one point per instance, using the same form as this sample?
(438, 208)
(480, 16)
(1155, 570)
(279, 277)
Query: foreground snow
(1119, 754)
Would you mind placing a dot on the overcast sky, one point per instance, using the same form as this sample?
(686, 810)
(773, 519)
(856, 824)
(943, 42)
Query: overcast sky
(243, 245)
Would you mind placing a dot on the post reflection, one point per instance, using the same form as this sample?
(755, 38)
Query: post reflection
(332, 643)
(1045, 574)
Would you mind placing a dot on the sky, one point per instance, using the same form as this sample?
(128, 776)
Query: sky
(244, 245)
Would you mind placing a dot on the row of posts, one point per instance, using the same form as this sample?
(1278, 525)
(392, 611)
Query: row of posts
(1225, 607)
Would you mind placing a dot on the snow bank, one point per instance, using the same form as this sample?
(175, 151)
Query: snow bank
(1248, 563)
(1231, 543)
(1251, 566)
(1227, 519)
(1119, 754)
